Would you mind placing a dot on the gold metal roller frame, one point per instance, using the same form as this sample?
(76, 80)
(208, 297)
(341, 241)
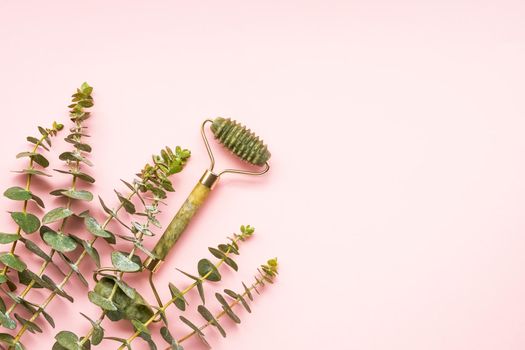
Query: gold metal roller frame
(243, 143)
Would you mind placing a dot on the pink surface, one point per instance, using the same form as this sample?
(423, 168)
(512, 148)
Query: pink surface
(396, 198)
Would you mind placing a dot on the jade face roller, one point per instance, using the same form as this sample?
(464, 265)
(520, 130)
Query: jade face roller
(240, 141)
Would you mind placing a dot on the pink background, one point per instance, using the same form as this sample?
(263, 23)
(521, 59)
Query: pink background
(396, 197)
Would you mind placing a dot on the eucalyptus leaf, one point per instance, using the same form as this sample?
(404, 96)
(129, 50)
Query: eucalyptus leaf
(85, 177)
(40, 160)
(126, 289)
(80, 195)
(17, 194)
(227, 308)
(59, 241)
(200, 289)
(9, 340)
(217, 253)
(31, 326)
(10, 260)
(68, 340)
(74, 267)
(34, 248)
(38, 200)
(247, 291)
(32, 172)
(166, 335)
(7, 321)
(56, 214)
(92, 252)
(208, 316)
(191, 325)
(126, 203)
(208, 271)
(48, 318)
(56, 289)
(24, 278)
(106, 208)
(123, 263)
(102, 302)
(6, 238)
(180, 302)
(231, 263)
(69, 156)
(95, 228)
(98, 331)
(29, 223)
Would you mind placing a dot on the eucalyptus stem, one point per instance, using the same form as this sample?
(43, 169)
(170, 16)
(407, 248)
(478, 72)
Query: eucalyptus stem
(45, 264)
(110, 298)
(78, 115)
(222, 313)
(163, 308)
(68, 276)
(27, 188)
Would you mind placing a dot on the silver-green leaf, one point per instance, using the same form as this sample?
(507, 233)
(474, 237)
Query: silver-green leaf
(56, 214)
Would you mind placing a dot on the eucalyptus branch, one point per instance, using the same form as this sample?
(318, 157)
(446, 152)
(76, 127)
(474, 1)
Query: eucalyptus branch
(26, 222)
(207, 271)
(154, 180)
(268, 273)
(122, 262)
(58, 240)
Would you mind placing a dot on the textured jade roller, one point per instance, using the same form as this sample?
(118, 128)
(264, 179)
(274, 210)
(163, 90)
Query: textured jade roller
(240, 141)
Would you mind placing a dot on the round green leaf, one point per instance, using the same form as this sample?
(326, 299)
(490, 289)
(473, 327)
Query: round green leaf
(7, 321)
(27, 222)
(59, 241)
(6, 238)
(94, 227)
(208, 270)
(180, 301)
(56, 214)
(102, 302)
(98, 331)
(10, 260)
(40, 159)
(123, 263)
(17, 194)
(68, 340)
(98, 335)
(81, 195)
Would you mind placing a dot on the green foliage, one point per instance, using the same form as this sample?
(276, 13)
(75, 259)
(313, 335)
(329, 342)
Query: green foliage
(177, 296)
(123, 263)
(17, 194)
(6, 238)
(155, 178)
(59, 241)
(28, 222)
(56, 215)
(95, 228)
(267, 273)
(11, 260)
(208, 271)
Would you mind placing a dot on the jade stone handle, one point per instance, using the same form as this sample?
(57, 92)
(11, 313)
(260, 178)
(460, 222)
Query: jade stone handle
(178, 224)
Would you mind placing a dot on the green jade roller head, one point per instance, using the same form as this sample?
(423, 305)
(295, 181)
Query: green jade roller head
(240, 141)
